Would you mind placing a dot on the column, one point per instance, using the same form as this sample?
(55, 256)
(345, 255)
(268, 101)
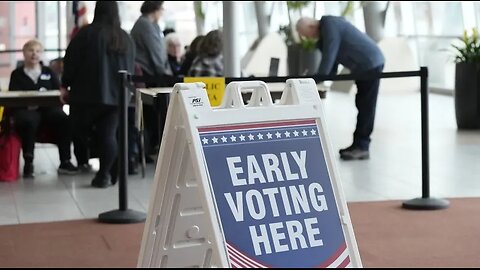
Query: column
(231, 55)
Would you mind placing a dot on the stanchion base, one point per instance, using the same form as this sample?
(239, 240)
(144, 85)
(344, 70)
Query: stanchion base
(426, 204)
(122, 217)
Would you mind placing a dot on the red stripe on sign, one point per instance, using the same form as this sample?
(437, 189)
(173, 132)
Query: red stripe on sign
(335, 256)
(259, 125)
(239, 259)
(243, 258)
(344, 263)
(237, 263)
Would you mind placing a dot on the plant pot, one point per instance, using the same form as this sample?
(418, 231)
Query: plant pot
(302, 62)
(467, 95)
(309, 61)
(293, 55)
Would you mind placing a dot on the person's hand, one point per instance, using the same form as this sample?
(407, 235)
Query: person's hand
(63, 95)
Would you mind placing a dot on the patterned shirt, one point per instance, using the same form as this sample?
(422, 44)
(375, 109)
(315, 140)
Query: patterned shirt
(207, 66)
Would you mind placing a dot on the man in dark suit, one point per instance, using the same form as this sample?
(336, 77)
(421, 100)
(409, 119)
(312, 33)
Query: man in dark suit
(342, 43)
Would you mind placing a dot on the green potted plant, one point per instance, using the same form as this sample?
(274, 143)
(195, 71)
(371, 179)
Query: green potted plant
(302, 58)
(467, 84)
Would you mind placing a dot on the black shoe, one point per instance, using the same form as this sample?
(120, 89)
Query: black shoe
(149, 159)
(101, 181)
(132, 167)
(85, 168)
(354, 153)
(114, 173)
(67, 168)
(350, 148)
(28, 170)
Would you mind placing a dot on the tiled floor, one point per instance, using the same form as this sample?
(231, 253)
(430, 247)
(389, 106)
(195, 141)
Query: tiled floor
(393, 172)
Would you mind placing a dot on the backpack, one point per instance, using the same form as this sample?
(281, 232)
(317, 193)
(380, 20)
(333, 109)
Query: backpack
(10, 146)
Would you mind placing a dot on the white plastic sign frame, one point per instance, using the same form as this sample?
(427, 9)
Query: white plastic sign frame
(247, 185)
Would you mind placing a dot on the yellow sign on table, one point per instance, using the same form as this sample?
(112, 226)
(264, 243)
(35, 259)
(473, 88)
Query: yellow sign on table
(1, 113)
(215, 87)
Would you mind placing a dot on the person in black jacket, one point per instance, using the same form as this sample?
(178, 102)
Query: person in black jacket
(34, 76)
(174, 52)
(191, 53)
(91, 64)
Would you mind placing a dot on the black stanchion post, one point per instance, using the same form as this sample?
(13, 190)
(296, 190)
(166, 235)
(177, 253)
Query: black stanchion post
(425, 202)
(123, 144)
(123, 215)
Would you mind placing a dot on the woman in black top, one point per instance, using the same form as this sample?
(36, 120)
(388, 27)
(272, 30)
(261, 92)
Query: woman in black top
(209, 62)
(190, 55)
(34, 76)
(91, 64)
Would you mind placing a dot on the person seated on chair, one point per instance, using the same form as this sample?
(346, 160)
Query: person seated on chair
(174, 52)
(209, 62)
(190, 54)
(32, 75)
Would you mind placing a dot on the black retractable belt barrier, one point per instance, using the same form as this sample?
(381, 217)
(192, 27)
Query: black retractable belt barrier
(424, 203)
(123, 215)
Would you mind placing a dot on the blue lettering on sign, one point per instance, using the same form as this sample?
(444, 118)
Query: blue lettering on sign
(274, 195)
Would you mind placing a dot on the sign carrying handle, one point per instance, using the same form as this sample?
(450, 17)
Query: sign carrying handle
(300, 91)
(233, 95)
(260, 95)
(188, 86)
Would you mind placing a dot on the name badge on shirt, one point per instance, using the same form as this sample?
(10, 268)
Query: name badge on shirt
(45, 77)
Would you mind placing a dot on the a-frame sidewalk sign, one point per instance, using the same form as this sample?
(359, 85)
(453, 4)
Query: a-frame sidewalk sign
(251, 185)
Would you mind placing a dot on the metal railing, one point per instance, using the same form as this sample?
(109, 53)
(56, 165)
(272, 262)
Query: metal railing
(124, 215)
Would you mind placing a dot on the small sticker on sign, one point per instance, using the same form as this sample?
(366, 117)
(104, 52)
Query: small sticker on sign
(196, 102)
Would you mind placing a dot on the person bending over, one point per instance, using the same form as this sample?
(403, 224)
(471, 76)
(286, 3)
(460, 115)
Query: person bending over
(342, 43)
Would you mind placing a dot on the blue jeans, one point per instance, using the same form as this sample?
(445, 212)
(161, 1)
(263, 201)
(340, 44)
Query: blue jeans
(366, 103)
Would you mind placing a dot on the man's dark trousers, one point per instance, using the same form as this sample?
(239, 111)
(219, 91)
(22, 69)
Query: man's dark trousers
(366, 102)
